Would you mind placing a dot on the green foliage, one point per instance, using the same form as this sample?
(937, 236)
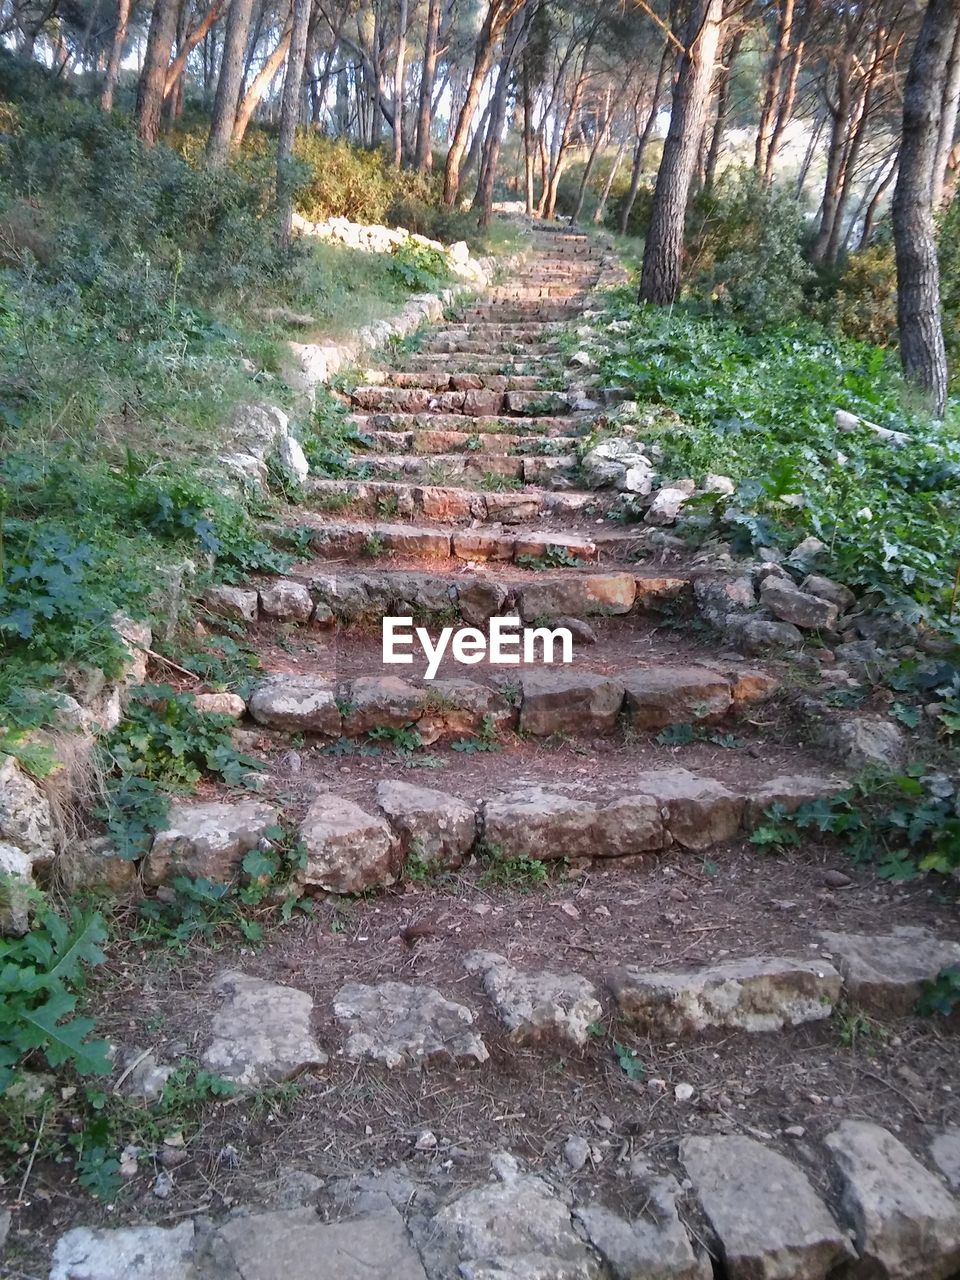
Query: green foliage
(761, 408)
(418, 267)
(163, 745)
(628, 1060)
(40, 975)
(744, 251)
(520, 874)
(865, 301)
(942, 995)
(552, 558)
(904, 823)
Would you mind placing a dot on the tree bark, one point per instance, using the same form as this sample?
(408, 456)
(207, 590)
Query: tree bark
(789, 96)
(259, 86)
(772, 92)
(948, 123)
(290, 116)
(888, 171)
(636, 173)
(529, 159)
(163, 25)
(178, 65)
(608, 185)
(423, 158)
(228, 85)
(398, 83)
(600, 136)
(723, 109)
(498, 15)
(922, 351)
(116, 53)
(660, 277)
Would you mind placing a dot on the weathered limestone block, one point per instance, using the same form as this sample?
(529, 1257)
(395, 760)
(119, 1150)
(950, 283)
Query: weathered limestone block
(348, 850)
(261, 1033)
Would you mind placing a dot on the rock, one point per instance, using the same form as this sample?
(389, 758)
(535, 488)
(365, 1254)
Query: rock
(403, 1025)
(816, 585)
(863, 658)
(660, 696)
(17, 891)
(752, 686)
(95, 864)
(261, 1034)
(945, 1152)
(256, 429)
(666, 507)
(866, 740)
(142, 1075)
(137, 638)
(298, 1245)
(886, 973)
(381, 702)
(718, 484)
(514, 1229)
(207, 839)
(698, 812)
(788, 603)
(480, 600)
(763, 993)
(582, 595)
(789, 791)
(654, 1245)
(220, 704)
(303, 704)
(232, 602)
(770, 1223)
(286, 601)
(26, 822)
(581, 631)
(757, 635)
(437, 828)
(576, 1152)
(906, 1223)
(717, 598)
(807, 550)
(540, 1007)
(293, 459)
(618, 464)
(134, 1253)
(568, 701)
(535, 823)
(348, 850)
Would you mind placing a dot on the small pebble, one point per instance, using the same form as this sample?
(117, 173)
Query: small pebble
(683, 1092)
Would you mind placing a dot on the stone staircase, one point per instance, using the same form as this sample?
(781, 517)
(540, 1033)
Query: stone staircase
(653, 1032)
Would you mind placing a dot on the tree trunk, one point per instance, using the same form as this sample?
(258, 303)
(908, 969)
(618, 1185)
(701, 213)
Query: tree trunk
(608, 185)
(922, 351)
(723, 109)
(852, 154)
(772, 93)
(290, 116)
(178, 66)
(839, 135)
(398, 83)
(423, 159)
(789, 96)
(163, 25)
(873, 204)
(228, 85)
(641, 147)
(948, 123)
(116, 53)
(529, 159)
(259, 86)
(660, 277)
(598, 142)
(515, 41)
(498, 15)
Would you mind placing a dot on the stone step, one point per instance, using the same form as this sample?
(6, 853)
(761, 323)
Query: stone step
(893, 1217)
(442, 380)
(441, 346)
(481, 442)
(354, 845)
(470, 468)
(375, 539)
(493, 424)
(486, 402)
(357, 594)
(509, 366)
(500, 500)
(519, 313)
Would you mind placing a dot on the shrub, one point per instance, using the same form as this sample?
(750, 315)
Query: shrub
(744, 251)
(865, 302)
